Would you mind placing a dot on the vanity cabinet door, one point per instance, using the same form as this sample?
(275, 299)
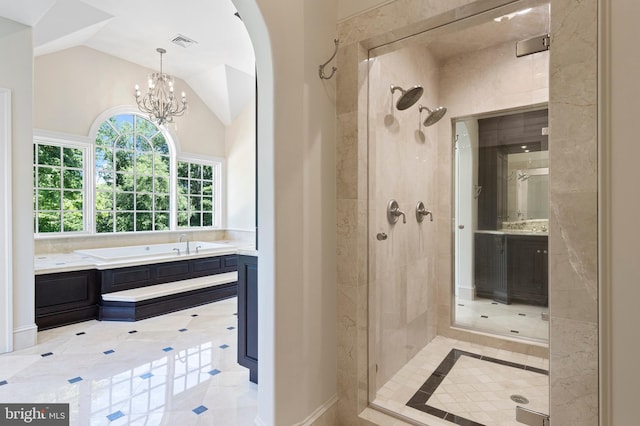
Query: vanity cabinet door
(248, 314)
(490, 267)
(527, 269)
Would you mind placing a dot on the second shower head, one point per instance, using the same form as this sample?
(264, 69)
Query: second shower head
(434, 115)
(408, 97)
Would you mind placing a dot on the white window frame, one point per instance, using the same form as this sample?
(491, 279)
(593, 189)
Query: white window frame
(219, 169)
(44, 137)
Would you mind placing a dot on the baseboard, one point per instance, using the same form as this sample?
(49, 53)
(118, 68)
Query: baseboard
(25, 337)
(465, 293)
(316, 416)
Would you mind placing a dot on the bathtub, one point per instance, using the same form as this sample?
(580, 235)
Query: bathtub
(115, 254)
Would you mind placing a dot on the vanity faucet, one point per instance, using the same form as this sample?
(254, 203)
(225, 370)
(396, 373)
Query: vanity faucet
(187, 238)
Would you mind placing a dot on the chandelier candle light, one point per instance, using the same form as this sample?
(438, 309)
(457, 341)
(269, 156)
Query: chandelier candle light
(160, 102)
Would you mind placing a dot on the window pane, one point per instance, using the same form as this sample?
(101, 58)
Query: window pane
(72, 157)
(142, 144)
(195, 204)
(104, 222)
(124, 160)
(48, 200)
(124, 222)
(162, 165)
(162, 185)
(48, 177)
(195, 220)
(104, 200)
(123, 123)
(195, 187)
(104, 158)
(106, 135)
(144, 184)
(162, 202)
(183, 186)
(183, 219)
(144, 164)
(124, 201)
(49, 222)
(104, 180)
(196, 171)
(207, 204)
(160, 144)
(49, 155)
(207, 219)
(183, 203)
(162, 221)
(183, 169)
(72, 179)
(124, 182)
(125, 142)
(144, 221)
(207, 188)
(72, 200)
(207, 172)
(145, 127)
(144, 202)
(72, 221)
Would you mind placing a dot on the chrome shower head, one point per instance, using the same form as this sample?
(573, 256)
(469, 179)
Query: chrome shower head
(408, 97)
(433, 116)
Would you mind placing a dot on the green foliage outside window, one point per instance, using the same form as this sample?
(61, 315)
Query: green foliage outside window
(195, 194)
(132, 176)
(58, 181)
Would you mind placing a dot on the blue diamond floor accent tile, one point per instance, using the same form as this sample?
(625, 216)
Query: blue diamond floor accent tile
(225, 346)
(194, 315)
(115, 416)
(182, 330)
(146, 376)
(133, 331)
(75, 380)
(110, 351)
(4, 382)
(231, 328)
(168, 349)
(214, 372)
(46, 354)
(81, 333)
(199, 410)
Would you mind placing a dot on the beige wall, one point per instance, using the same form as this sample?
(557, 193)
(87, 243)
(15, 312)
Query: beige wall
(15, 74)
(74, 86)
(240, 152)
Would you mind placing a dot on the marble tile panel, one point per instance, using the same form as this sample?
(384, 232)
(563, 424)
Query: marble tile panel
(347, 157)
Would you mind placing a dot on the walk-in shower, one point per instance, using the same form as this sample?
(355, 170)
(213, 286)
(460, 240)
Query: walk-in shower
(407, 97)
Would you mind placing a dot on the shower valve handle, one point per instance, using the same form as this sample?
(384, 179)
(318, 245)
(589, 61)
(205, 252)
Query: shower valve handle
(421, 212)
(393, 212)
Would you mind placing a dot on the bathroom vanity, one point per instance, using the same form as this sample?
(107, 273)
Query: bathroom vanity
(512, 267)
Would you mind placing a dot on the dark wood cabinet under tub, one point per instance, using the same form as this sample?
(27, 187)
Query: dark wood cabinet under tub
(66, 297)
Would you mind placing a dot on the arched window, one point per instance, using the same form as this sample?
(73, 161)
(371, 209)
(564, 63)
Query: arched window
(133, 176)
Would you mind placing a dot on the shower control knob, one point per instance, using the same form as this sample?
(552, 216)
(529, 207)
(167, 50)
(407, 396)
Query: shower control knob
(381, 236)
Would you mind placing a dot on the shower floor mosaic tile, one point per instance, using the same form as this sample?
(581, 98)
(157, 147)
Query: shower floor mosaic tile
(178, 368)
(452, 382)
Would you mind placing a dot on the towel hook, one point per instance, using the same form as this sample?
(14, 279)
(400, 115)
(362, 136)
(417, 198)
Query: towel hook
(333, 69)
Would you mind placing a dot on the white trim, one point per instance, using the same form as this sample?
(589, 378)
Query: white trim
(6, 231)
(61, 138)
(258, 421)
(319, 412)
(25, 337)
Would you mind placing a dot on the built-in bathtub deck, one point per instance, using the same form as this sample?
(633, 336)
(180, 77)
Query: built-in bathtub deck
(145, 302)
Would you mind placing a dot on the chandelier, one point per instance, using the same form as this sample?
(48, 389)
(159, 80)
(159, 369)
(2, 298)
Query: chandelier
(160, 101)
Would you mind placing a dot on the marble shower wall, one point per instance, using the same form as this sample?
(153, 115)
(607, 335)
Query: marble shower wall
(402, 166)
(573, 224)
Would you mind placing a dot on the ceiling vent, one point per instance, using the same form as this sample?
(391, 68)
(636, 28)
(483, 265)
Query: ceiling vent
(183, 41)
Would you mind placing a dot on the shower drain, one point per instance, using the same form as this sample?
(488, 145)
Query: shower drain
(519, 399)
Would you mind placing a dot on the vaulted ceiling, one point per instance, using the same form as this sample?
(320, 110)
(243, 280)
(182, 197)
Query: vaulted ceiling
(219, 66)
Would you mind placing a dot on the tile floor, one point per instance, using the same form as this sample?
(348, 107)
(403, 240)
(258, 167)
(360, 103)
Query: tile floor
(178, 368)
(516, 319)
(453, 382)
